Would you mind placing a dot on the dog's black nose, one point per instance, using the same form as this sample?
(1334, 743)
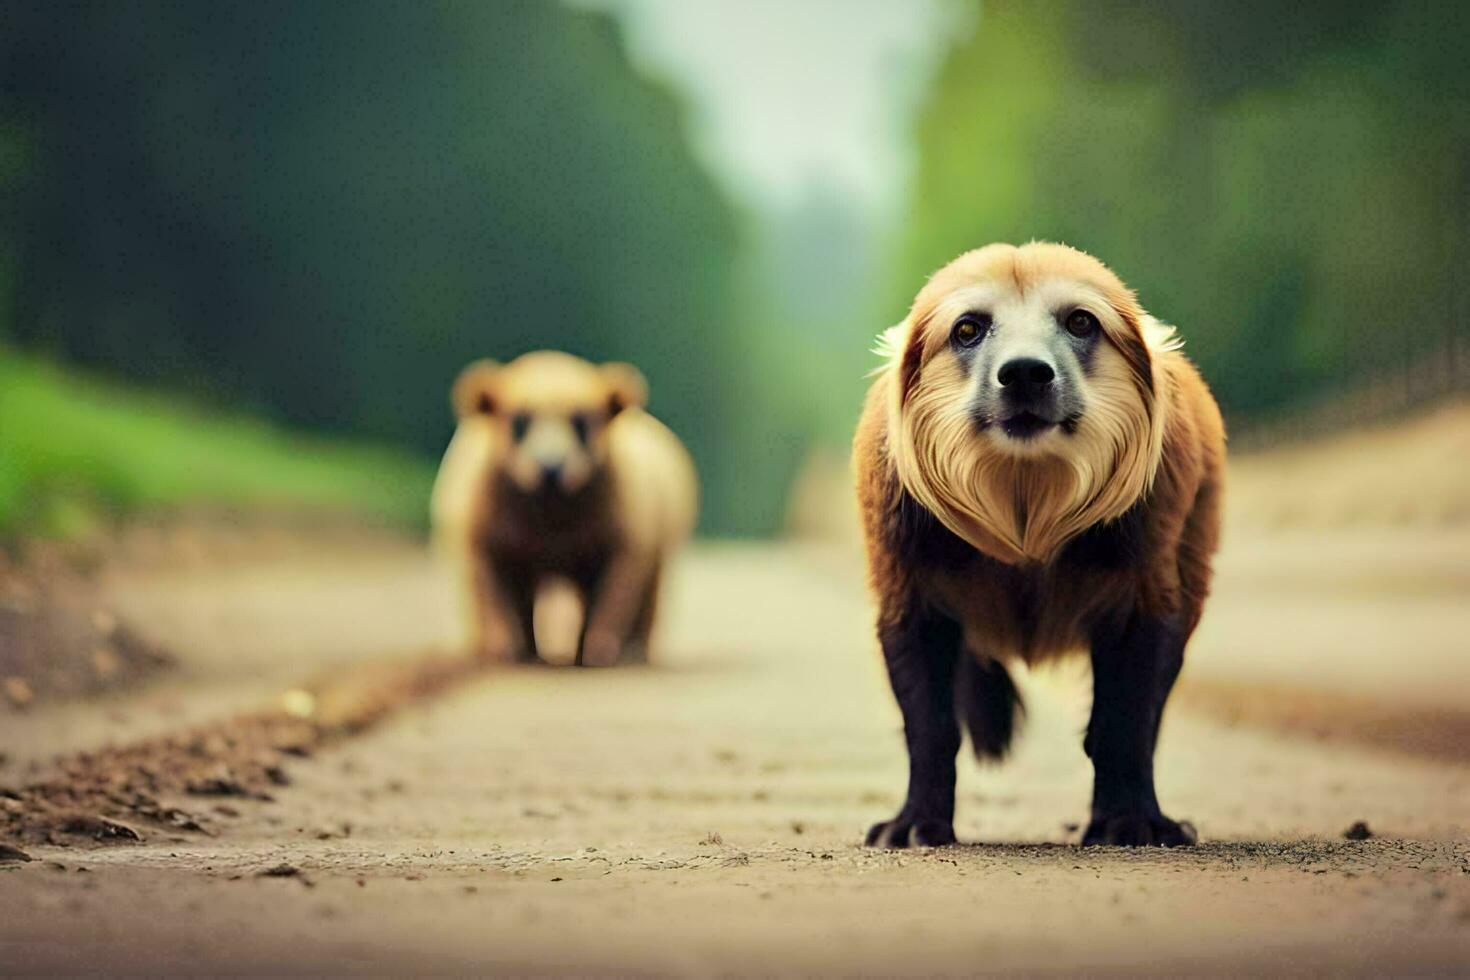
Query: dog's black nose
(1026, 375)
(551, 474)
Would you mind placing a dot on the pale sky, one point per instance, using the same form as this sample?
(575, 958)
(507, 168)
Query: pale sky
(791, 93)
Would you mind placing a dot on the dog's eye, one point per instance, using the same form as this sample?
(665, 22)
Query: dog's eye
(581, 426)
(1081, 323)
(519, 423)
(970, 329)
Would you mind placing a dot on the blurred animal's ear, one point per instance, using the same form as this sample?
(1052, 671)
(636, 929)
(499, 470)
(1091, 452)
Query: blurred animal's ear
(474, 390)
(625, 387)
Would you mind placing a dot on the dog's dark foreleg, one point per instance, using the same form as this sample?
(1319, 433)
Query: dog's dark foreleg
(1133, 670)
(921, 652)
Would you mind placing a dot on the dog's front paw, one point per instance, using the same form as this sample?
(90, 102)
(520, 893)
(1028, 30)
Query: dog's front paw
(906, 831)
(1139, 830)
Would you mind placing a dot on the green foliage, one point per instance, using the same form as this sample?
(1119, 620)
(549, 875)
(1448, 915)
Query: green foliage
(318, 212)
(321, 211)
(75, 450)
(1289, 184)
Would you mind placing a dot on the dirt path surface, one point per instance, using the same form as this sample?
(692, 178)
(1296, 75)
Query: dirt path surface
(704, 815)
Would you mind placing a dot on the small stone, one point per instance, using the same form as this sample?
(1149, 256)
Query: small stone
(104, 622)
(1358, 831)
(10, 854)
(280, 871)
(105, 662)
(98, 828)
(298, 703)
(18, 691)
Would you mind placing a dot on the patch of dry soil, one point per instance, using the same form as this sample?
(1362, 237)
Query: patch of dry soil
(60, 637)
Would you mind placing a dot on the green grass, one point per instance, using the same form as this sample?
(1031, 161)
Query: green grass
(76, 452)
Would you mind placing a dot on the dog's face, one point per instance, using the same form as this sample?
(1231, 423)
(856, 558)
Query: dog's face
(1025, 396)
(1021, 364)
(550, 413)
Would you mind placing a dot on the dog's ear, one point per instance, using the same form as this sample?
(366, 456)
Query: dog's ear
(474, 390)
(912, 359)
(1132, 343)
(625, 387)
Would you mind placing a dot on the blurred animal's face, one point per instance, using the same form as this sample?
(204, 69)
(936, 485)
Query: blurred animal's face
(550, 414)
(1025, 401)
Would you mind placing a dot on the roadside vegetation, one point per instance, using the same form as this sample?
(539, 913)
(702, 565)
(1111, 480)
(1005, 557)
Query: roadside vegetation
(77, 452)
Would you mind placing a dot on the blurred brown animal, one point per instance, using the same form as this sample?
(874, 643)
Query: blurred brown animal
(556, 471)
(1039, 471)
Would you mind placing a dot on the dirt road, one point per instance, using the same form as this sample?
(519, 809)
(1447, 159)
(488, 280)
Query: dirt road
(704, 815)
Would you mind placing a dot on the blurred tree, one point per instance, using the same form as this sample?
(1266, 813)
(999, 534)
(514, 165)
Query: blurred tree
(1290, 184)
(322, 210)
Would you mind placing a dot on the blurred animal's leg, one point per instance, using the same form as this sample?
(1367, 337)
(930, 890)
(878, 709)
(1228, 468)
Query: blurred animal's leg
(504, 600)
(520, 593)
(1133, 671)
(636, 649)
(613, 606)
(920, 651)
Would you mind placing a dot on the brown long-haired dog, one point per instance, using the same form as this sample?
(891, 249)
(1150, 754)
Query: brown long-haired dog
(556, 471)
(1039, 472)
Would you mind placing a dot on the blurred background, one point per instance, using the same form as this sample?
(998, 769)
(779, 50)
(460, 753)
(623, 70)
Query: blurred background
(246, 246)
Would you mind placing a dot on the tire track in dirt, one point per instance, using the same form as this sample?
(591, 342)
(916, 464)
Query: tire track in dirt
(1439, 733)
